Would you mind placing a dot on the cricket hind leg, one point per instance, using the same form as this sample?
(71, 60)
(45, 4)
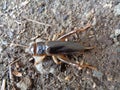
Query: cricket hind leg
(89, 48)
(63, 37)
(77, 65)
(56, 60)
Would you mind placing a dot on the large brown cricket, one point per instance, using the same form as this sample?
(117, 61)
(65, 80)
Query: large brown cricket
(59, 48)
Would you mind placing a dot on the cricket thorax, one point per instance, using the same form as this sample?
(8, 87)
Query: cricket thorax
(38, 48)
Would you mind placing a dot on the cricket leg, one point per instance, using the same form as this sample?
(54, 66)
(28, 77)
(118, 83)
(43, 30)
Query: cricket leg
(38, 63)
(38, 59)
(66, 60)
(55, 36)
(79, 66)
(85, 65)
(63, 37)
(56, 60)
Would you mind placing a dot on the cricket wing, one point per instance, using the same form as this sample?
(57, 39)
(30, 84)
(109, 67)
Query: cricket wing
(59, 47)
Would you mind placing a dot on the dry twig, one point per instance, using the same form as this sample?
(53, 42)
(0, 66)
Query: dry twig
(37, 22)
(3, 85)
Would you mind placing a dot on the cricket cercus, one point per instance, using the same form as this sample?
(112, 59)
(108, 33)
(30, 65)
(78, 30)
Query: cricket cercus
(59, 49)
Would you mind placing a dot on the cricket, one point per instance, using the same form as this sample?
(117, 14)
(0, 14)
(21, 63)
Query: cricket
(58, 48)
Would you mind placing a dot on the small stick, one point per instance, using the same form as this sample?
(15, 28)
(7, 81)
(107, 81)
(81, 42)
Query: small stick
(37, 22)
(3, 85)
(14, 44)
(14, 61)
(34, 38)
(10, 73)
(10, 76)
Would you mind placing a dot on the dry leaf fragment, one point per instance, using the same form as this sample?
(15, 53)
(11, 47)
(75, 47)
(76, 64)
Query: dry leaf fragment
(16, 73)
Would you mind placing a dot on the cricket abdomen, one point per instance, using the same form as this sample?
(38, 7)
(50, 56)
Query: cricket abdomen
(60, 47)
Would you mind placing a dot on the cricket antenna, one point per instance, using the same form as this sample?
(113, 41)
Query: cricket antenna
(14, 44)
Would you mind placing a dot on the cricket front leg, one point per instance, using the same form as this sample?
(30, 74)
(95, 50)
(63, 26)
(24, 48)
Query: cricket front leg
(55, 36)
(38, 59)
(38, 64)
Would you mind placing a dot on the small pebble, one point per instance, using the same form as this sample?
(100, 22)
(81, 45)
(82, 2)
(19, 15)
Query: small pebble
(24, 3)
(5, 5)
(3, 42)
(117, 10)
(24, 84)
(41, 9)
(114, 37)
(10, 34)
(117, 32)
(118, 50)
(1, 49)
(65, 17)
(97, 74)
(109, 78)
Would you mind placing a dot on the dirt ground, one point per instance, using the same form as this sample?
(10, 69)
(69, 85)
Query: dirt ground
(25, 21)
